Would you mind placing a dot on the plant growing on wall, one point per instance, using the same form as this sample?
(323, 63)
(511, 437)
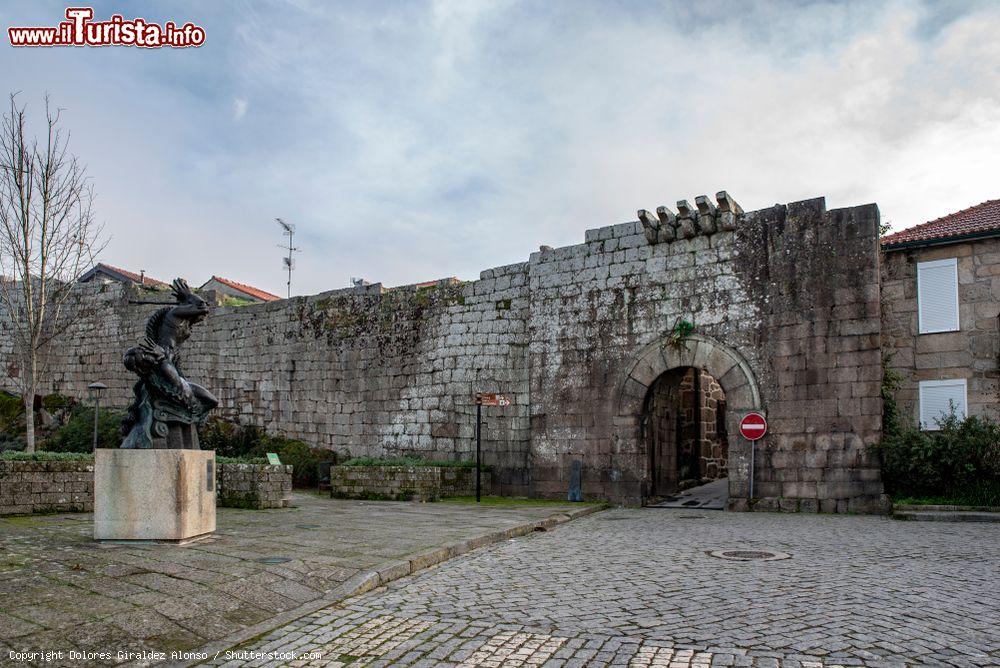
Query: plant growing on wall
(891, 382)
(48, 237)
(680, 331)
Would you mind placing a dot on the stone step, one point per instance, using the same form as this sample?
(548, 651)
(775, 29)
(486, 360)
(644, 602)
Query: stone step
(946, 516)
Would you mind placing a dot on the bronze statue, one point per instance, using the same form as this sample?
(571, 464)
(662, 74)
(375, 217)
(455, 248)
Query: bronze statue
(167, 408)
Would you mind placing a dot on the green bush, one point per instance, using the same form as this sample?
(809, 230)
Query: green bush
(960, 461)
(11, 444)
(305, 460)
(243, 441)
(57, 402)
(77, 435)
(229, 439)
(11, 416)
(44, 456)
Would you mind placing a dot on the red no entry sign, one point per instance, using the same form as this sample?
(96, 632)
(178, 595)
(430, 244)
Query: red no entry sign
(753, 426)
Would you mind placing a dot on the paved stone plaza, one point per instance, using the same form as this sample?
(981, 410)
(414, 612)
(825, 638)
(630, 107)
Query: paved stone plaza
(61, 591)
(636, 588)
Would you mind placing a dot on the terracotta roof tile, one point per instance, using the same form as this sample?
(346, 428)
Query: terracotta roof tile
(982, 218)
(248, 289)
(137, 278)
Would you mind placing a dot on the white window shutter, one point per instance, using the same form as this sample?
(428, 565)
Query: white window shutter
(938, 398)
(937, 294)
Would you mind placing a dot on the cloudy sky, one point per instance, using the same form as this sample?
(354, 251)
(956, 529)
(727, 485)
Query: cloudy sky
(416, 140)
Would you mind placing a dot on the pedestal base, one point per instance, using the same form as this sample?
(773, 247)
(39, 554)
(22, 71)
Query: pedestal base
(154, 495)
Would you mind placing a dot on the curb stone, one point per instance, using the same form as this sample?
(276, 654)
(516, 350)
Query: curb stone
(940, 508)
(365, 581)
(944, 516)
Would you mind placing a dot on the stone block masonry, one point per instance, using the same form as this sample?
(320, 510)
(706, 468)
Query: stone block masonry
(255, 486)
(68, 486)
(46, 487)
(418, 483)
(785, 303)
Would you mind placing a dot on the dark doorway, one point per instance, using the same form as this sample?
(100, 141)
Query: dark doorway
(684, 431)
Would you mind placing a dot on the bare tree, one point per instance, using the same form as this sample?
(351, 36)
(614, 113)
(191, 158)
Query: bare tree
(47, 239)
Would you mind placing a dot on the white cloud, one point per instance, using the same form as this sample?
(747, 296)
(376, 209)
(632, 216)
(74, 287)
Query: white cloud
(446, 138)
(239, 108)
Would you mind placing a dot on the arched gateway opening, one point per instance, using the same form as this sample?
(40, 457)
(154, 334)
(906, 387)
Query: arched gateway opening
(679, 409)
(683, 430)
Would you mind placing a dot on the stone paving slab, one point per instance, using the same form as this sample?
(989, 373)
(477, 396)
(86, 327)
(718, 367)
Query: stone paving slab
(61, 591)
(635, 587)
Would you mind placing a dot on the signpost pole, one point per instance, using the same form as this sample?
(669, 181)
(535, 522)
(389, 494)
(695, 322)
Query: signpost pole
(479, 448)
(753, 426)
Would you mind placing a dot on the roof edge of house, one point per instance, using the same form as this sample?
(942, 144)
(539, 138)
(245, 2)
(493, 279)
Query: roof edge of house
(941, 241)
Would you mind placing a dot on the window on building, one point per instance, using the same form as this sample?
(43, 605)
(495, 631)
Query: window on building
(937, 295)
(938, 398)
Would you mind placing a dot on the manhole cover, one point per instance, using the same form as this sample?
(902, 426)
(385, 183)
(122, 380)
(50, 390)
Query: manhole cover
(273, 560)
(748, 555)
(308, 526)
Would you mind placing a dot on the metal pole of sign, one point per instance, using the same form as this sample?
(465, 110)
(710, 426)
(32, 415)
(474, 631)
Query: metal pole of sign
(479, 448)
(753, 451)
(95, 390)
(97, 410)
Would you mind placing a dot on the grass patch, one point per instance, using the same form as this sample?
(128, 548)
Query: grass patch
(240, 460)
(515, 501)
(986, 493)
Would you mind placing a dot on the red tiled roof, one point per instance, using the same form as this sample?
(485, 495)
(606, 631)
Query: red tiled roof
(247, 289)
(138, 278)
(982, 218)
(451, 280)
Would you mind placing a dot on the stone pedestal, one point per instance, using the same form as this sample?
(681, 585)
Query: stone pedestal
(166, 495)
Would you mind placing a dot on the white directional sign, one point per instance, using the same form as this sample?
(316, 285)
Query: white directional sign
(491, 399)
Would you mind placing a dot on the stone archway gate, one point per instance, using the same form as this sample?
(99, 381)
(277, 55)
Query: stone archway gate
(726, 365)
(785, 307)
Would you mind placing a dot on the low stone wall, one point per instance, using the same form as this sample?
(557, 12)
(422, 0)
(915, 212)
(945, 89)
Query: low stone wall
(423, 483)
(254, 486)
(874, 505)
(40, 487)
(68, 486)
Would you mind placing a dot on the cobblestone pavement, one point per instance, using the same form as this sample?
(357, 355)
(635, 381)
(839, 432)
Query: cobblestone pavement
(636, 588)
(61, 591)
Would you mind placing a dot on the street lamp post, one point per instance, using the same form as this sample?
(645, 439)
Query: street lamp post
(95, 390)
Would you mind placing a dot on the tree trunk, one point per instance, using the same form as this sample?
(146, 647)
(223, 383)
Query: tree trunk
(30, 388)
(29, 421)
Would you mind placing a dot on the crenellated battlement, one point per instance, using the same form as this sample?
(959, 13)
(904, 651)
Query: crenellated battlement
(705, 218)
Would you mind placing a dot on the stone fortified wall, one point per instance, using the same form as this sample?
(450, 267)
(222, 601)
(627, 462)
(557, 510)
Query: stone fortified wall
(785, 303)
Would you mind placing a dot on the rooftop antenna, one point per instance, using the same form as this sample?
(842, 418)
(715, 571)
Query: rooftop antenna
(288, 262)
